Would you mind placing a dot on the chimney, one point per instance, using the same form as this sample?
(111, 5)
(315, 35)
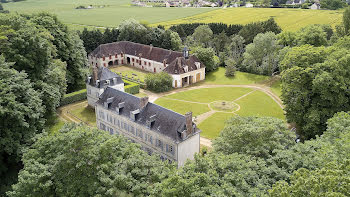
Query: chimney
(164, 62)
(143, 102)
(94, 73)
(188, 117)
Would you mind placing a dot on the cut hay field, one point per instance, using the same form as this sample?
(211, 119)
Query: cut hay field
(288, 19)
(114, 12)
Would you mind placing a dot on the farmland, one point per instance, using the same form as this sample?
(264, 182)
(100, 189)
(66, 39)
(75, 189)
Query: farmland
(288, 19)
(112, 13)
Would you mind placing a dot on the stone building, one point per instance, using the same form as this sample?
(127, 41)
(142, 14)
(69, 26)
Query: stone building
(185, 69)
(101, 79)
(158, 130)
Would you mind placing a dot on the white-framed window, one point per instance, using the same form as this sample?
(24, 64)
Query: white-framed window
(159, 144)
(101, 115)
(102, 126)
(89, 91)
(132, 129)
(111, 131)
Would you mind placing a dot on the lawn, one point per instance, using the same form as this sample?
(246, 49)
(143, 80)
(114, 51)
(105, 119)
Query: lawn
(130, 72)
(276, 88)
(288, 19)
(218, 77)
(207, 95)
(212, 126)
(54, 124)
(111, 15)
(183, 107)
(259, 104)
(84, 113)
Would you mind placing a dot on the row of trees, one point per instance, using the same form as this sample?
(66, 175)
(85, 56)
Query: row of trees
(40, 59)
(251, 157)
(132, 30)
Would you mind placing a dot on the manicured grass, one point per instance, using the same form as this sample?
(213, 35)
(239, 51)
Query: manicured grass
(212, 126)
(182, 107)
(259, 104)
(111, 15)
(84, 113)
(207, 95)
(288, 19)
(54, 124)
(140, 94)
(130, 72)
(276, 88)
(218, 78)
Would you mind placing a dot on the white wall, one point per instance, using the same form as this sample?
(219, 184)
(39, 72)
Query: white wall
(187, 149)
(92, 93)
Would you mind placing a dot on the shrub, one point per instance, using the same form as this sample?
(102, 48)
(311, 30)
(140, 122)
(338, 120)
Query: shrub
(73, 97)
(160, 82)
(131, 87)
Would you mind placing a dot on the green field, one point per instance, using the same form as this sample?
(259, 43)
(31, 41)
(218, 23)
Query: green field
(212, 126)
(182, 108)
(207, 95)
(130, 72)
(288, 19)
(113, 12)
(85, 114)
(251, 103)
(218, 77)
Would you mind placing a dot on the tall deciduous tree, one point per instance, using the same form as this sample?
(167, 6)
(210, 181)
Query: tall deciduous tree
(21, 117)
(255, 136)
(313, 35)
(131, 30)
(346, 20)
(202, 36)
(236, 49)
(313, 94)
(207, 57)
(261, 57)
(81, 161)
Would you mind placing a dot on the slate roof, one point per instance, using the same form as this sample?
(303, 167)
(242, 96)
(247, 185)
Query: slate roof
(177, 66)
(103, 75)
(143, 51)
(166, 122)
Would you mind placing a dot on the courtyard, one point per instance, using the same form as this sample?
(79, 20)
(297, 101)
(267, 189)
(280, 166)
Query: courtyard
(212, 101)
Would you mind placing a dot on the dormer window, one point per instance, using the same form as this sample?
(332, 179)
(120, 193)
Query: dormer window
(108, 102)
(120, 107)
(116, 55)
(186, 69)
(198, 65)
(110, 56)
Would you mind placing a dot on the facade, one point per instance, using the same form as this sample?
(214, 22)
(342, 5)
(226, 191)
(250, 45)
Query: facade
(99, 81)
(158, 130)
(151, 59)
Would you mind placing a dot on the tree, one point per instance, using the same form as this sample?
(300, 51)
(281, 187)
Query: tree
(170, 40)
(303, 56)
(287, 38)
(313, 35)
(346, 20)
(230, 68)
(1, 7)
(207, 57)
(332, 4)
(258, 137)
(82, 161)
(332, 180)
(131, 30)
(249, 31)
(202, 36)
(220, 42)
(308, 93)
(217, 175)
(236, 49)
(69, 49)
(91, 39)
(21, 115)
(160, 82)
(261, 57)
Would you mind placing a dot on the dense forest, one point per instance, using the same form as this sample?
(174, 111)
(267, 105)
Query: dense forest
(41, 60)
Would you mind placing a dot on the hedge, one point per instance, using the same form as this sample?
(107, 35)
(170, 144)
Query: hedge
(73, 97)
(131, 87)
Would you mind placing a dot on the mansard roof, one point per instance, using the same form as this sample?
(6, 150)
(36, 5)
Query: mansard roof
(166, 122)
(143, 51)
(103, 75)
(178, 65)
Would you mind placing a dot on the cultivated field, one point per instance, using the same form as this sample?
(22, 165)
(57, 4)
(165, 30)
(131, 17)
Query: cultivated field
(288, 19)
(113, 12)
